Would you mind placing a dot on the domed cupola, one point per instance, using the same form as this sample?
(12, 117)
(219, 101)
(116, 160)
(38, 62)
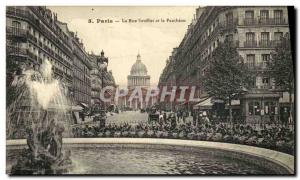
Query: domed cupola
(138, 75)
(138, 68)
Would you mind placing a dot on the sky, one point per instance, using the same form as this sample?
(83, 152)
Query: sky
(122, 41)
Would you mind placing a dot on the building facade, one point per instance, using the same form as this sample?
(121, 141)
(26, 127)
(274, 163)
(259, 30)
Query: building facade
(34, 34)
(168, 78)
(100, 78)
(255, 32)
(81, 73)
(138, 75)
(137, 82)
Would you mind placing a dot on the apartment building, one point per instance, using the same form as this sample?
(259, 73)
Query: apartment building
(255, 32)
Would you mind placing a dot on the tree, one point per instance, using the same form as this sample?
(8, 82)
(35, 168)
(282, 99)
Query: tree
(227, 74)
(282, 68)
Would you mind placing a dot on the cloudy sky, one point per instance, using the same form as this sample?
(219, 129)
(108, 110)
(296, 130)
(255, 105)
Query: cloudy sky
(121, 42)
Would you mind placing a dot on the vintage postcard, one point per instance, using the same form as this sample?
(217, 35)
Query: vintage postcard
(150, 90)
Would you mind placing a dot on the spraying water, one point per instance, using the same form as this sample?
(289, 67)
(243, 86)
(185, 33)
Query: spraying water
(41, 113)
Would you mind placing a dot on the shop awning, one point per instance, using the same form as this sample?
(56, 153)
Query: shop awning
(84, 105)
(204, 104)
(208, 103)
(77, 108)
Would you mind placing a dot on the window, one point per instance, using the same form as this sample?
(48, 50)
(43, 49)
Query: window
(278, 36)
(16, 26)
(250, 36)
(265, 36)
(254, 108)
(250, 60)
(249, 17)
(265, 39)
(264, 16)
(15, 47)
(278, 16)
(265, 59)
(229, 18)
(250, 40)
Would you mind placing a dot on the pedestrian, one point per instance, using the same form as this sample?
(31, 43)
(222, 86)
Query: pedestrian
(199, 119)
(206, 120)
(183, 116)
(165, 117)
(285, 117)
(161, 118)
(194, 118)
(178, 115)
(173, 121)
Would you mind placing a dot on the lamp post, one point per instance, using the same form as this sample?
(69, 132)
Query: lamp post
(102, 66)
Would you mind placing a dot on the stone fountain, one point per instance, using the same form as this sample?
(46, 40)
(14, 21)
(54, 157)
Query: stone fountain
(41, 109)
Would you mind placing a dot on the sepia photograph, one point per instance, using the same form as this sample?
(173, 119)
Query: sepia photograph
(150, 90)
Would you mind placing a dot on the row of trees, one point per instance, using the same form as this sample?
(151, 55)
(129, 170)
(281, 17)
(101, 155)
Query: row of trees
(228, 76)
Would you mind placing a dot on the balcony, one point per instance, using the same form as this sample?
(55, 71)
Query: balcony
(265, 43)
(17, 12)
(276, 43)
(261, 66)
(272, 21)
(40, 44)
(16, 51)
(250, 44)
(48, 23)
(264, 21)
(32, 38)
(262, 44)
(58, 71)
(69, 77)
(47, 49)
(32, 56)
(227, 25)
(36, 23)
(16, 32)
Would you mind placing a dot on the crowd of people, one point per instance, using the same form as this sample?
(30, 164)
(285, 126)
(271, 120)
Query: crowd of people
(279, 138)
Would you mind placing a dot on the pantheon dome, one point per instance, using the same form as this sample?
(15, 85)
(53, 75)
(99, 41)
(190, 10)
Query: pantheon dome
(138, 68)
(138, 74)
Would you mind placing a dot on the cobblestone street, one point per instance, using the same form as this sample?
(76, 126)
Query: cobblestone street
(132, 117)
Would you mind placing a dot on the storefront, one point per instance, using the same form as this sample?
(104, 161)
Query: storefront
(218, 110)
(260, 108)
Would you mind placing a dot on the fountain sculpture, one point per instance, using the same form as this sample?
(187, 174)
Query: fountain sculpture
(41, 109)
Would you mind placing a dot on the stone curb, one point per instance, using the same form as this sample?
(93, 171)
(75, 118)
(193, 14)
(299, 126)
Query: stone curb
(285, 160)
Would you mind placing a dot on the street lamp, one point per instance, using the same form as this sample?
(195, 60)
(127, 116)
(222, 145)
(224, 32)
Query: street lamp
(102, 67)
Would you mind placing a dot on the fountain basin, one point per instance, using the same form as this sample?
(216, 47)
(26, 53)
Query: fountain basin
(166, 156)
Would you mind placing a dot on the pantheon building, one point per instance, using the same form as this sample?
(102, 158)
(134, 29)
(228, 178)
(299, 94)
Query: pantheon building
(138, 78)
(138, 75)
